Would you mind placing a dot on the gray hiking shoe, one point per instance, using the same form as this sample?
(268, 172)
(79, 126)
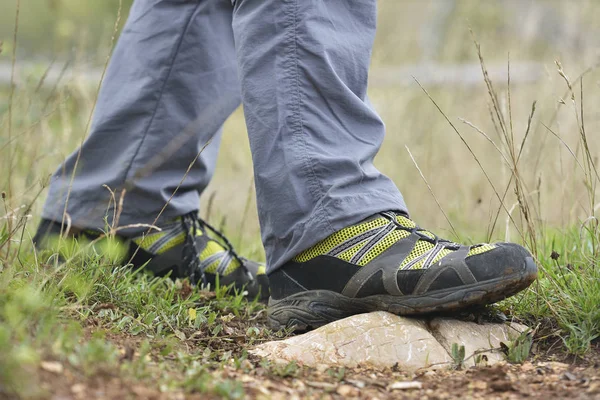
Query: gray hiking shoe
(186, 247)
(388, 263)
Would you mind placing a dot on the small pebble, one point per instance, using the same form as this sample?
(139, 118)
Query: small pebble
(405, 385)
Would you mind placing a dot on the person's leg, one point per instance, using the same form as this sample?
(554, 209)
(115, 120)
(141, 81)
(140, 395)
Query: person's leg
(170, 85)
(332, 248)
(303, 67)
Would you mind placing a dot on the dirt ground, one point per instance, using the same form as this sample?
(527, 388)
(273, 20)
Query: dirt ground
(546, 377)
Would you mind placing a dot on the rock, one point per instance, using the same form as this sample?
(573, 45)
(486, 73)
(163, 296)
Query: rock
(475, 337)
(52, 366)
(322, 385)
(594, 388)
(78, 388)
(568, 376)
(527, 367)
(347, 390)
(405, 385)
(553, 366)
(357, 383)
(478, 385)
(381, 339)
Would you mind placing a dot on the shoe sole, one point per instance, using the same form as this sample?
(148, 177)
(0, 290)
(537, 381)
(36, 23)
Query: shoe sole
(314, 308)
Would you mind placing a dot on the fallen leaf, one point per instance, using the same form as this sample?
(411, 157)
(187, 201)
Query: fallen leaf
(192, 314)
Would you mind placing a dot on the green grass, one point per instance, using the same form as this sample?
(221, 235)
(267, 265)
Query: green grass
(64, 313)
(566, 298)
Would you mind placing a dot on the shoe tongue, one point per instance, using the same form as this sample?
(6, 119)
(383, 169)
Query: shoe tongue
(407, 223)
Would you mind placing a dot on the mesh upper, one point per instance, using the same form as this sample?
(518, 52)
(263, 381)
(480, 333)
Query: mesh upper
(338, 238)
(383, 245)
(171, 237)
(146, 241)
(423, 252)
(348, 254)
(421, 248)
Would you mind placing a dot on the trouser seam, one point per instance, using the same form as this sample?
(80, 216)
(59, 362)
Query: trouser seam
(314, 187)
(161, 92)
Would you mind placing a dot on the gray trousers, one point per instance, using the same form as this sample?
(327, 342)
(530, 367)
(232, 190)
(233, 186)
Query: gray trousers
(181, 67)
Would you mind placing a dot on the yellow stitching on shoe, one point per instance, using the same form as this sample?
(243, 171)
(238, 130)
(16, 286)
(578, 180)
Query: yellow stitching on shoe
(326, 245)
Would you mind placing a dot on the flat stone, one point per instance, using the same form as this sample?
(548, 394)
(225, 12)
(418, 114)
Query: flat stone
(381, 339)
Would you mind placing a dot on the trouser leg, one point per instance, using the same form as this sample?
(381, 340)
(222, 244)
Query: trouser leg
(170, 85)
(303, 66)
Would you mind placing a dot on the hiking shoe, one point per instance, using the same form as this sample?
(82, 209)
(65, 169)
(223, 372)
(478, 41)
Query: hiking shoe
(387, 263)
(182, 248)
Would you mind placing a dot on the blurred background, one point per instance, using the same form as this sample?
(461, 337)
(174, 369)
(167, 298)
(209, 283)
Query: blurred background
(63, 45)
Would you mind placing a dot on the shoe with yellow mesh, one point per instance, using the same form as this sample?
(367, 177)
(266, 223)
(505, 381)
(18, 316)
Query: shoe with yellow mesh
(183, 248)
(387, 263)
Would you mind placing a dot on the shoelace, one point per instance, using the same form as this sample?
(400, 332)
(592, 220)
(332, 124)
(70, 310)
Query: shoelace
(191, 259)
(227, 244)
(422, 233)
